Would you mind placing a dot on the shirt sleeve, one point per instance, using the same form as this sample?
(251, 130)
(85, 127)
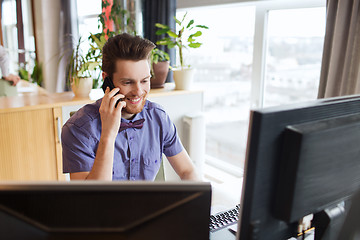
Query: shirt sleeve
(78, 149)
(172, 143)
(4, 62)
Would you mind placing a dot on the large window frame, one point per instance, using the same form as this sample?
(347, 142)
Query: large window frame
(259, 52)
(260, 42)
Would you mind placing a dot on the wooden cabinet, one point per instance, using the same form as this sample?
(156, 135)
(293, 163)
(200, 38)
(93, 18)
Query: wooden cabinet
(29, 146)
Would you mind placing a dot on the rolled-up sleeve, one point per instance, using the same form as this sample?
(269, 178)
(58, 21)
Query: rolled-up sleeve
(172, 144)
(78, 149)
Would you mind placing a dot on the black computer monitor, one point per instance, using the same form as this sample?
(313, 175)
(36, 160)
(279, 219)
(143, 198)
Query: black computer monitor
(301, 159)
(99, 210)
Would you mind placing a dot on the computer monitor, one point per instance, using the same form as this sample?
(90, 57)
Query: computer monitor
(105, 210)
(301, 159)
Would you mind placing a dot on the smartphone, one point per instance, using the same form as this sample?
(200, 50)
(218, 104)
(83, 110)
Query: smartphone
(109, 83)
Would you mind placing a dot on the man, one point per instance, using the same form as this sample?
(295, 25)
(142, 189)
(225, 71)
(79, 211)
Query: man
(4, 65)
(111, 140)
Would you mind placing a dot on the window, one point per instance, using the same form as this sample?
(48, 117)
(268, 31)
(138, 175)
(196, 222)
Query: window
(88, 15)
(293, 58)
(223, 69)
(254, 54)
(10, 34)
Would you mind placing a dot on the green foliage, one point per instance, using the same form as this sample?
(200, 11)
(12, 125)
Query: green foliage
(78, 65)
(24, 74)
(36, 76)
(122, 23)
(94, 53)
(158, 55)
(122, 19)
(186, 37)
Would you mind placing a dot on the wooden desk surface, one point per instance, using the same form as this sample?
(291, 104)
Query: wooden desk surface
(29, 102)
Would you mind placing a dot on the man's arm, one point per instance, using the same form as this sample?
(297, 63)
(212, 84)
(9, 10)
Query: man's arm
(183, 166)
(4, 66)
(103, 163)
(12, 78)
(110, 124)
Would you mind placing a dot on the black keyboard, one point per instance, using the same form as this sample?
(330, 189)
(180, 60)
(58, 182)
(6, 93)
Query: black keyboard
(224, 219)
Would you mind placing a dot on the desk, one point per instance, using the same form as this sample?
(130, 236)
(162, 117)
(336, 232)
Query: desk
(30, 126)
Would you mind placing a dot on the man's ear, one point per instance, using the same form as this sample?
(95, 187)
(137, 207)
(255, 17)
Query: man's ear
(104, 75)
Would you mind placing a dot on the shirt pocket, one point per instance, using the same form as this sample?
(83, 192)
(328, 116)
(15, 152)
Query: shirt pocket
(152, 163)
(119, 170)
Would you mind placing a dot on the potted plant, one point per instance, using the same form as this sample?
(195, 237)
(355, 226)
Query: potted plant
(121, 21)
(79, 72)
(183, 39)
(159, 61)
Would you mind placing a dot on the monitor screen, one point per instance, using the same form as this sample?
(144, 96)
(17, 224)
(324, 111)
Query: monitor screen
(105, 210)
(301, 159)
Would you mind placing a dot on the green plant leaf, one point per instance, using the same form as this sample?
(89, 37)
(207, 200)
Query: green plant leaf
(105, 4)
(171, 45)
(159, 25)
(197, 34)
(194, 45)
(177, 21)
(24, 74)
(97, 40)
(37, 75)
(202, 26)
(172, 34)
(159, 55)
(156, 59)
(164, 42)
(190, 23)
(161, 31)
(184, 17)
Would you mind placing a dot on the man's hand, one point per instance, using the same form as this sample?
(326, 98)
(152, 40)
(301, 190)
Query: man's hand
(110, 123)
(111, 115)
(12, 78)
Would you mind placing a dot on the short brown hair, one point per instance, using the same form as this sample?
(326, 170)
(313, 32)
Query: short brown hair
(124, 47)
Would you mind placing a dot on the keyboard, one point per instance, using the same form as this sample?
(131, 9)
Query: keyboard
(224, 219)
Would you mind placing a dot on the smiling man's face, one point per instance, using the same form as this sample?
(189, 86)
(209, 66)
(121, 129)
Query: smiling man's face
(133, 79)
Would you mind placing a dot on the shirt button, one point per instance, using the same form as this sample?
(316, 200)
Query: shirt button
(133, 160)
(131, 138)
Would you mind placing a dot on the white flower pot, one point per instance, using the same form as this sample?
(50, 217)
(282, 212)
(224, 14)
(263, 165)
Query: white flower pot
(81, 87)
(183, 78)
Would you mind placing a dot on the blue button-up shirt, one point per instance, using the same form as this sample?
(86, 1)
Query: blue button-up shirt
(138, 152)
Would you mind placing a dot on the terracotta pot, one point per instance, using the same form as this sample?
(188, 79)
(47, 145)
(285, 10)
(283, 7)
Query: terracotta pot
(161, 70)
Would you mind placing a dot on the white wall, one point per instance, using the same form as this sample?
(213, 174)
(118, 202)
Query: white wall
(47, 21)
